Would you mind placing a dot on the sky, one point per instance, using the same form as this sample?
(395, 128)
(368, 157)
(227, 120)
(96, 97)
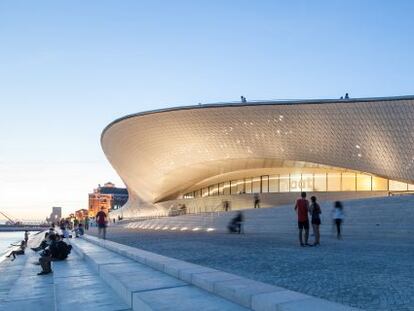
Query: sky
(69, 68)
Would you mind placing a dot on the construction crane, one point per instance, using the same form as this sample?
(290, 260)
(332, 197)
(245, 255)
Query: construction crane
(9, 219)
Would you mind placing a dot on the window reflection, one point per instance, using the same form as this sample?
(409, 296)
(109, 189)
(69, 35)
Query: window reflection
(295, 183)
(248, 185)
(379, 184)
(348, 182)
(265, 184)
(334, 182)
(307, 182)
(256, 185)
(320, 182)
(274, 183)
(363, 182)
(284, 183)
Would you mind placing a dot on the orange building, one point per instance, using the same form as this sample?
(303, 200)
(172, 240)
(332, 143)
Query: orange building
(108, 196)
(81, 214)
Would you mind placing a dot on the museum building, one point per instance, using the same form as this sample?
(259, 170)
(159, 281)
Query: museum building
(201, 156)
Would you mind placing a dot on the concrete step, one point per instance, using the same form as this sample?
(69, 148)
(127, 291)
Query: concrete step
(156, 282)
(144, 288)
(73, 285)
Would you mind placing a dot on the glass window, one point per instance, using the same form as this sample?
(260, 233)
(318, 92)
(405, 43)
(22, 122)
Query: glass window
(213, 190)
(284, 183)
(248, 185)
(320, 182)
(334, 182)
(307, 182)
(240, 186)
(295, 183)
(397, 185)
(256, 185)
(379, 184)
(410, 187)
(204, 192)
(348, 181)
(265, 184)
(226, 188)
(221, 188)
(197, 193)
(363, 182)
(233, 187)
(274, 183)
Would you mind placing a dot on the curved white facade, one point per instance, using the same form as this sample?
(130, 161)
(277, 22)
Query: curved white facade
(161, 155)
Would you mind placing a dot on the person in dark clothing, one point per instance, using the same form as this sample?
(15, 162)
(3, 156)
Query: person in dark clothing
(46, 255)
(236, 224)
(256, 200)
(338, 217)
(302, 208)
(57, 250)
(19, 251)
(26, 236)
(42, 244)
(87, 223)
(315, 212)
(101, 221)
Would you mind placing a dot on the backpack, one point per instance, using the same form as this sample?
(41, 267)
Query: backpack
(64, 250)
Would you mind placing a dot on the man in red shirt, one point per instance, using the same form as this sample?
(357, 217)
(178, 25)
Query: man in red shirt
(101, 221)
(302, 208)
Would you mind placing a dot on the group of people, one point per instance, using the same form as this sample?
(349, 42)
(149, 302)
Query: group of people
(52, 248)
(305, 209)
(307, 213)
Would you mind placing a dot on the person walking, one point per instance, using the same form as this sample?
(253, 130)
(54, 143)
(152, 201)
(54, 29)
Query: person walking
(315, 212)
(338, 217)
(101, 221)
(302, 208)
(86, 223)
(256, 200)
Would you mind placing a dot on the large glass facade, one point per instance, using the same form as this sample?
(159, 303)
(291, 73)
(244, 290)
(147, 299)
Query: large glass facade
(297, 182)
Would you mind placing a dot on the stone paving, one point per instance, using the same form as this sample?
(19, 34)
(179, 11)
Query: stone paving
(372, 272)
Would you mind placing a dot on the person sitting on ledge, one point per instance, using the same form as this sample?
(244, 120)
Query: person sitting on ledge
(57, 250)
(19, 251)
(235, 225)
(79, 231)
(43, 244)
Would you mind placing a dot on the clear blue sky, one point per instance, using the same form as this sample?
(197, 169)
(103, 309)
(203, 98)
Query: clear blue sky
(68, 68)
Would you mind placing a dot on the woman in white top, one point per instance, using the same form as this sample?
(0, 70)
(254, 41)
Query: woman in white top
(338, 217)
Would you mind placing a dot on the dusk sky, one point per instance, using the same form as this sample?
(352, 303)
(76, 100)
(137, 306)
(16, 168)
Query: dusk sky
(68, 68)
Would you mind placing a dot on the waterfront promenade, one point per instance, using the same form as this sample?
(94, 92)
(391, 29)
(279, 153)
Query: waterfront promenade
(103, 275)
(178, 270)
(372, 268)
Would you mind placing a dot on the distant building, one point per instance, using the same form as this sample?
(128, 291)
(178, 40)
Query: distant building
(107, 196)
(81, 214)
(55, 216)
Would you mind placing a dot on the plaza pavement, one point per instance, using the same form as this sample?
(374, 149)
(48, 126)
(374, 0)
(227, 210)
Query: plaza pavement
(107, 276)
(372, 268)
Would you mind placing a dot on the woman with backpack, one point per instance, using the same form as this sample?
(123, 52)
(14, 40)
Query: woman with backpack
(315, 212)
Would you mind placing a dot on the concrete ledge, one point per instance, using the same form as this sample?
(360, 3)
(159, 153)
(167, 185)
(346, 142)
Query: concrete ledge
(242, 291)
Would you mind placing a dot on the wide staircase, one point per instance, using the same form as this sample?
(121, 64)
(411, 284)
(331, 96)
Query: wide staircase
(73, 285)
(387, 215)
